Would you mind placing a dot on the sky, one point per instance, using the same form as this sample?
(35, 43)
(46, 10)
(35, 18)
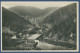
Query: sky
(39, 4)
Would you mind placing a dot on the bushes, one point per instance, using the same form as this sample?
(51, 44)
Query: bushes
(7, 41)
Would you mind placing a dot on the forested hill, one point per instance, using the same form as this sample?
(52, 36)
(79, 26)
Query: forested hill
(62, 14)
(63, 22)
(13, 21)
(26, 11)
(31, 11)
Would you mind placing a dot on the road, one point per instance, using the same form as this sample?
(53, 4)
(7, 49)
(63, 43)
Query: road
(34, 36)
(47, 46)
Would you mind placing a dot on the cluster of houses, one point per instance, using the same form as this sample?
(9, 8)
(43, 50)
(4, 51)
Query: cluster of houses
(26, 34)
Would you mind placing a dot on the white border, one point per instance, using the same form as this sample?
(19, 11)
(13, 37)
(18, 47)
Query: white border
(77, 50)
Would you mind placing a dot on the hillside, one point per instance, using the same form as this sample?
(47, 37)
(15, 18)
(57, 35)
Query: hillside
(61, 24)
(31, 11)
(13, 21)
(26, 11)
(33, 14)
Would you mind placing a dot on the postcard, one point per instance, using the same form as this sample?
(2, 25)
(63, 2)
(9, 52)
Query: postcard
(39, 26)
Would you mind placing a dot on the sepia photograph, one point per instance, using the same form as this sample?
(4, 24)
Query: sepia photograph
(39, 26)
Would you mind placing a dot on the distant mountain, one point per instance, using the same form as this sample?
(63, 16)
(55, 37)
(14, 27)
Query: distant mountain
(23, 10)
(13, 21)
(33, 14)
(62, 23)
(31, 11)
(46, 12)
(50, 9)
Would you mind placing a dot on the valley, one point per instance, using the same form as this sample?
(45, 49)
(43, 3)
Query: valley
(30, 28)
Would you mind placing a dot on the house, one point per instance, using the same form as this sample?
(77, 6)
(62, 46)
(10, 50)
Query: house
(14, 37)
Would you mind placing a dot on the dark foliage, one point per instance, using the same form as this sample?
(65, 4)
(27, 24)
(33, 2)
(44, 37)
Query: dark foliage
(63, 22)
(13, 21)
(7, 41)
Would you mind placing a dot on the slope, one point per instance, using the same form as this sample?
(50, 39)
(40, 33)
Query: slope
(61, 24)
(13, 21)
